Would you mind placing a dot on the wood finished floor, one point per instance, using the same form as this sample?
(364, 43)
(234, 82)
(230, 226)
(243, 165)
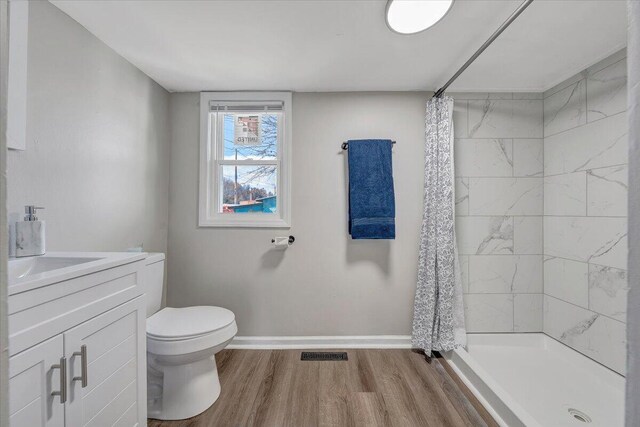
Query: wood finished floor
(372, 388)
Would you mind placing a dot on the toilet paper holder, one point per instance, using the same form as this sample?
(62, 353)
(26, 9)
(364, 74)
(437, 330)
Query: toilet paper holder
(291, 240)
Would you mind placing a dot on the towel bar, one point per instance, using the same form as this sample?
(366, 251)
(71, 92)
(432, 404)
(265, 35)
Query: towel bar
(345, 145)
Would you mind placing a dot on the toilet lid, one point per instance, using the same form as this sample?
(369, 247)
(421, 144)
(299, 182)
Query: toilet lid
(188, 321)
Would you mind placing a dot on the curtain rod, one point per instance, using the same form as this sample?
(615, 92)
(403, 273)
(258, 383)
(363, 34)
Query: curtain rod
(485, 45)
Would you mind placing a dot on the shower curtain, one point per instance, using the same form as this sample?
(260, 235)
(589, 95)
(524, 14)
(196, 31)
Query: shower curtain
(438, 314)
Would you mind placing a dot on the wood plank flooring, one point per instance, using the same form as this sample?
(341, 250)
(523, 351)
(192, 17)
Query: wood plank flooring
(373, 388)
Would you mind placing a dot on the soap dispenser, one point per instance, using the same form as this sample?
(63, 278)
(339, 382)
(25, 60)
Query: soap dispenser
(30, 234)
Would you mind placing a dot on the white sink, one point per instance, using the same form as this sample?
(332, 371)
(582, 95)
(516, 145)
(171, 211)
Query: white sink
(33, 272)
(24, 267)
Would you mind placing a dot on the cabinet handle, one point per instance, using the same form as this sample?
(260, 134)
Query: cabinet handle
(63, 380)
(83, 366)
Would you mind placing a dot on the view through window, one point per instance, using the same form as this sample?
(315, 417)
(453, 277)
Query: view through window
(249, 171)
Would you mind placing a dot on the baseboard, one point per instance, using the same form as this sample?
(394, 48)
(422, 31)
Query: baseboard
(311, 342)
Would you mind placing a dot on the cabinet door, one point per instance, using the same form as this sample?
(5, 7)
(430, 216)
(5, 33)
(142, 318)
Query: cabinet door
(34, 375)
(107, 381)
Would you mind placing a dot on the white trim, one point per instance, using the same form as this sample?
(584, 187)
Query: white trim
(311, 342)
(208, 170)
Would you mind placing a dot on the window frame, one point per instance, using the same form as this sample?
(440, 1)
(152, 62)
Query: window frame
(212, 160)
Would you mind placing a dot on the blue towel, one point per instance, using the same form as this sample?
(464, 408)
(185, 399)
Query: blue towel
(372, 208)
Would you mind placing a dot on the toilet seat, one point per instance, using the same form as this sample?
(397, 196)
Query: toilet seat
(180, 331)
(187, 322)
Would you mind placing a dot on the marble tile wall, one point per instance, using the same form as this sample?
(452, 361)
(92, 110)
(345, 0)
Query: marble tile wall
(499, 206)
(585, 212)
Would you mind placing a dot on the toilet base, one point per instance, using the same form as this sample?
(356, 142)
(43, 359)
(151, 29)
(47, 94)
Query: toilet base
(177, 392)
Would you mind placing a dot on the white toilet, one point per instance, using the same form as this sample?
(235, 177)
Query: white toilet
(182, 377)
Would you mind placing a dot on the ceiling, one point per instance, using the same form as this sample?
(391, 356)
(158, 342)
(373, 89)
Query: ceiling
(315, 45)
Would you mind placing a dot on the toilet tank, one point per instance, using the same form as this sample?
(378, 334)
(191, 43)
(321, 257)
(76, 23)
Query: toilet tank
(152, 281)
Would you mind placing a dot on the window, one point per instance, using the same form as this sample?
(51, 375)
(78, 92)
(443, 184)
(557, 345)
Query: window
(245, 140)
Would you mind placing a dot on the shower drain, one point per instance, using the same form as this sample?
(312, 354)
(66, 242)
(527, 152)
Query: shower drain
(579, 415)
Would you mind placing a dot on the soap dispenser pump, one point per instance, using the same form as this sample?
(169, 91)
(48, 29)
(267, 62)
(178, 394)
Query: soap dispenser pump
(30, 234)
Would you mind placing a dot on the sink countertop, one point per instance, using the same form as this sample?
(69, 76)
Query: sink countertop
(105, 261)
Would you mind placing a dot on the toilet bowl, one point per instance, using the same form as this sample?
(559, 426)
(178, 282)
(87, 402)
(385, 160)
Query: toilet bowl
(182, 376)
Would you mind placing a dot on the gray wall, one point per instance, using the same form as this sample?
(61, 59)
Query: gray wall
(585, 211)
(326, 283)
(97, 142)
(498, 164)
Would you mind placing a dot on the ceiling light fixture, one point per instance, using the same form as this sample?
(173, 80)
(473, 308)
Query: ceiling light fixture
(414, 16)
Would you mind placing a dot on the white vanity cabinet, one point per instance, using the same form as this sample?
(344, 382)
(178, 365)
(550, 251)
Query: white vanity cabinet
(78, 355)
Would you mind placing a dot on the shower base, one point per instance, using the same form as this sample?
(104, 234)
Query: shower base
(533, 380)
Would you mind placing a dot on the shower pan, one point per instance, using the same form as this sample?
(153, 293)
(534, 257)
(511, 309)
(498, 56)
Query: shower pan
(533, 380)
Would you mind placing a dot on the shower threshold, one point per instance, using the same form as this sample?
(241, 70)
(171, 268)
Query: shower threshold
(535, 381)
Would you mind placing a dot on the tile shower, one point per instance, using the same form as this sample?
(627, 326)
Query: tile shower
(541, 210)
(499, 193)
(585, 212)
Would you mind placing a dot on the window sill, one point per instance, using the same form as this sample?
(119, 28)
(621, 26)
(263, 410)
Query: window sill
(250, 222)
